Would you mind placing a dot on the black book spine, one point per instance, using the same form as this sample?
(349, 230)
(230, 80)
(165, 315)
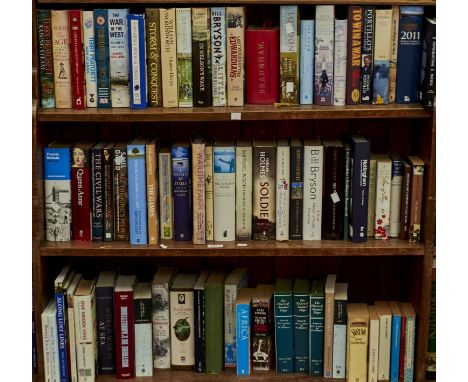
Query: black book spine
(105, 329)
(367, 54)
(297, 192)
(97, 186)
(200, 359)
(108, 195)
(428, 66)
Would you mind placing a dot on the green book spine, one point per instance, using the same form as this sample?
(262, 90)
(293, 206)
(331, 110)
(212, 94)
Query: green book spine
(214, 347)
(184, 56)
(301, 325)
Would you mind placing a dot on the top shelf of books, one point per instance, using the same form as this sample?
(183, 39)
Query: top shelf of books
(188, 2)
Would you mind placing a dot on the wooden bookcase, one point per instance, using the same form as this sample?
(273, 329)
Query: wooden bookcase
(392, 269)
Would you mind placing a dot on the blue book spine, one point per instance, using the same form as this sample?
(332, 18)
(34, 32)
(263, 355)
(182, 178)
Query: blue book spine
(307, 62)
(102, 57)
(317, 320)
(97, 192)
(200, 360)
(182, 193)
(243, 339)
(137, 50)
(137, 194)
(62, 336)
(395, 348)
(284, 334)
(301, 333)
(409, 54)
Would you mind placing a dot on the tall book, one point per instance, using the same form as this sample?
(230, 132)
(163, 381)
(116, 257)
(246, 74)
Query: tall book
(57, 192)
(153, 56)
(339, 62)
(243, 330)
(395, 344)
(243, 190)
(182, 321)
(105, 321)
(76, 59)
(71, 325)
(46, 60)
(89, 46)
(235, 52)
(50, 342)
(357, 342)
(168, 33)
(284, 326)
(199, 322)
(262, 327)
(382, 49)
(409, 54)
(427, 83)
(46, 341)
(417, 183)
(152, 192)
(385, 337)
(333, 189)
(198, 181)
(405, 201)
(264, 166)
(367, 77)
(383, 188)
(97, 190)
(353, 65)
(218, 56)
(432, 335)
(166, 199)
(316, 327)
(101, 40)
(324, 54)
(396, 192)
(137, 191)
(339, 330)
(347, 189)
(143, 330)
(313, 183)
(182, 191)
(307, 62)
(289, 54)
(209, 212)
(224, 190)
(283, 186)
(137, 53)
(296, 201)
(201, 51)
(184, 56)
(408, 346)
(236, 280)
(394, 54)
(61, 57)
(328, 327)
(371, 199)
(108, 192)
(160, 287)
(374, 333)
(301, 317)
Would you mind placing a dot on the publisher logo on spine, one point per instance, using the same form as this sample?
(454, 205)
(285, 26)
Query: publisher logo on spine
(100, 20)
(181, 298)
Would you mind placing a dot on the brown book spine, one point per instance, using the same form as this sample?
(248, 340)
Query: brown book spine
(353, 69)
(416, 202)
(153, 54)
(152, 194)
(121, 193)
(405, 203)
(108, 195)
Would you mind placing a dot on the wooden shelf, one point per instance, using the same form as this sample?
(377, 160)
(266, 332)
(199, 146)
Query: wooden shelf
(154, 3)
(394, 247)
(248, 112)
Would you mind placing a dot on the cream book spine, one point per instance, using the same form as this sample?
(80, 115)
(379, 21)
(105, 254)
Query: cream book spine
(383, 177)
(169, 57)
(373, 363)
(198, 182)
(243, 191)
(209, 213)
(235, 25)
(282, 190)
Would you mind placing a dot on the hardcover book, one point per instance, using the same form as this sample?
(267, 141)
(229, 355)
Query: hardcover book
(182, 191)
(283, 153)
(143, 331)
(385, 336)
(427, 83)
(395, 344)
(408, 346)
(153, 56)
(218, 57)
(209, 213)
(262, 327)
(46, 348)
(405, 201)
(136, 40)
(89, 46)
(166, 199)
(76, 58)
(243, 330)
(374, 332)
(396, 192)
(97, 191)
(301, 324)
(152, 192)
(316, 326)
(371, 199)
(184, 56)
(347, 189)
(382, 49)
(46, 60)
(339, 61)
(296, 201)
(394, 54)
(71, 326)
(328, 327)
(307, 62)
(353, 65)
(168, 33)
(383, 189)
(243, 202)
(417, 183)
(101, 40)
(367, 65)
(339, 331)
(199, 322)
(357, 341)
(289, 54)
(198, 180)
(201, 49)
(284, 326)
(50, 342)
(235, 25)
(324, 54)
(108, 193)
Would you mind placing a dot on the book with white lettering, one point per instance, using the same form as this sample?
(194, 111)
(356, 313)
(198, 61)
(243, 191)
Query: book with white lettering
(143, 330)
(282, 189)
(289, 54)
(89, 46)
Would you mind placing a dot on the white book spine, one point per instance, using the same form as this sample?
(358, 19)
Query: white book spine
(385, 332)
(409, 349)
(313, 183)
(339, 351)
(161, 329)
(373, 351)
(135, 52)
(395, 200)
(382, 199)
(54, 354)
(143, 350)
(85, 355)
(90, 59)
(218, 55)
(46, 346)
(282, 192)
(165, 195)
(339, 78)
(371, 199)
(243, 193)
(72, 342)
(182, 311)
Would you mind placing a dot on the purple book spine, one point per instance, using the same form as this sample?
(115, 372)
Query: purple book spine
(182, 193)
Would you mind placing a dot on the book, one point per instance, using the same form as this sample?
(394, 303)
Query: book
(137, 53)
(324, 54)
(76, 59)
(394, 54)
(328, 326)
(306, 75)
(182, 321)
(182, 190)
(57, 192)
(264, 166)
(382, 49)
(71, 325)
(166, 199)
(316, 327)
(184, 56)
(357, 342)
(61, 59)
(198, 180)
(339, 330)
(427, 83)
(218, 56)
(153, 56)
(46, 60)
(243, 330)
(383, 190)
(160, 287)
(97, 191)
(209, 212)
(283, 186)
(224, 190)
(108, 192)
(236, 280)
(371, 199)
(396, 192)
(46, 340)
(431, 342)
(409, 54)
(301, 317)
(105, 321)
(417, 183)
(347, 189)
(50, 342)
(143, 330)
(296, 200)
(289, 54)
(169, 73)
(385, 336)
(101, 41)
(339, 61)
(243, 203)
(395, 344)
(262, 327)
(284, 326)
(137, 191)
(367, 64)
(402, 347)
(235, 52)
(374, 333)
(313, 183)
(201, 50)
(152, 192)
(353, 65)
(90, 69)
(408, 345)
(405, 201)
(199, 322)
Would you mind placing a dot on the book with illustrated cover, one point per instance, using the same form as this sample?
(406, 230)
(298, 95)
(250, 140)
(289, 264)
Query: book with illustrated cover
(324, 54)
(184, 56)
(136, 38)
(46, 60)
(235, 52)
(306, 75)
(339, 61)
(353, 65)
(101, 41)
(282, 189)
(289, 54)
(218, 56)
(357, 341)
(153, 56)
(382, 51)
(166, 199)
(182, 190)
(367, 64)
(262, 327)
(168, 33)
(90, 68)
(76, 59)
(383, 188)
(243, 190)
(201, 56)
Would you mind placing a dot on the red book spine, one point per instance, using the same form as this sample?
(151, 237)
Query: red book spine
(262, 66)
(401, 376)
(81, 203)
(76, 51)
(124, 334)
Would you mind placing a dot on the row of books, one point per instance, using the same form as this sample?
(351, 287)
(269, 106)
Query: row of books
(184, 57)
(261, 190)
(210, 321)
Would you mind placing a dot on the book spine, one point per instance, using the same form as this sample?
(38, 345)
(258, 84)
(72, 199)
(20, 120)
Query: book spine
(235, 25)
(168, 57)
(201, 49)
(161, 326)
(218, 57)
(81, 202)
(367, 77)
(101, 33)
(153, 56)
(54, 355)
(198, 176)
(209, 213)
(301, 332)
(152, 194)
(307, 62)
(339, 340)
(282, 193)
(46, 347)
(324, 53)
(284, 333)
(137, 194)
(46, 59)
(401, 370)
(395, 201)
(393, 54)
(417, 180)
(395, 349)
(357, 351)
(118, 57)
(328, 335)
(71, 339)
(105, 329)
(85, 326)
(262, 339)
(62, 336)
(97, 185)
(214, 334)
(143, 338)
(313, 180)
(382, 49)
(89, 43)
(165, 195)
(427, 83)
(289, 54)
(409, 349)
(347, 186)
(121, 194)
(317, 319)
(382, 200)
(124, 312)
(136, 33)
(199, 308)
(61, 57)
(371, 199)
(385, 335)
(108, 195)
(243, 336)
(339, 70)
(243, 204)
(184, 56)
(353, 66)
(373, 351)
(405, 202)
(230, 294)
(182, 190)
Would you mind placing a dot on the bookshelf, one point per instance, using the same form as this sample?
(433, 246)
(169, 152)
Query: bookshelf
(391, 269)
